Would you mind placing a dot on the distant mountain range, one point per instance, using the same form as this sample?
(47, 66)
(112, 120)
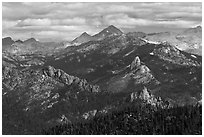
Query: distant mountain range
(31, 46)
(189, 40)
(107, 32)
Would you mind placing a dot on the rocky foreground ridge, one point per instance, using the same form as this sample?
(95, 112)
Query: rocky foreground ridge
(68, 79)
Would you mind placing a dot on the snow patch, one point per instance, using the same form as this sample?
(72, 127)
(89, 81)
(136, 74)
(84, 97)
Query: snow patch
(52, 104)
(151, 42)
(4, 93)
(193, 56)
(151, 53)
(125, 76)
(128, 53)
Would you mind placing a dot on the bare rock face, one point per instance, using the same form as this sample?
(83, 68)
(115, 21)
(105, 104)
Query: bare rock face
(136, 63)
(142, 75)
(133, 96)
(144, 69)
(50, 71)
(147, 98)
(68, 79)
(144, 95)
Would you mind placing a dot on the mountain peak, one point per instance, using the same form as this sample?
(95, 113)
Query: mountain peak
(7, 41)
(83, 38)
(113, 29)
(30, 40)
(109, 31)
(84, 34)
(111, 26)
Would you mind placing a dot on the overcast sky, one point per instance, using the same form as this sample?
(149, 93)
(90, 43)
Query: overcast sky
(65, 21)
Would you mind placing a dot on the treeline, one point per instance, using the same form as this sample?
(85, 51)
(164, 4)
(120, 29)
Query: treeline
(138, 120)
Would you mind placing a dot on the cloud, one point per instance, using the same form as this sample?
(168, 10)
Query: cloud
(76, 21)
(68, 20)
(178, 23)
(124, 19)
(35, 22)
(49, 22)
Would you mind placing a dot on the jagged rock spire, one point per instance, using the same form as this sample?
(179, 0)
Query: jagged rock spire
(148, 98)
(136, 63)
(68, 79)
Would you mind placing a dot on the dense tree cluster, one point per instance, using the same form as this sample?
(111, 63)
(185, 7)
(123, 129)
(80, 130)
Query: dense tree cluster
(140, 120)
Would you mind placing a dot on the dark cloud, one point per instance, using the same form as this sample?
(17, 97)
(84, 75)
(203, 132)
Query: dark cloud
(65, 21)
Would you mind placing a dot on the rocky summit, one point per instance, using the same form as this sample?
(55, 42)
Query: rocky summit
(136, 63)
(107, 32)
